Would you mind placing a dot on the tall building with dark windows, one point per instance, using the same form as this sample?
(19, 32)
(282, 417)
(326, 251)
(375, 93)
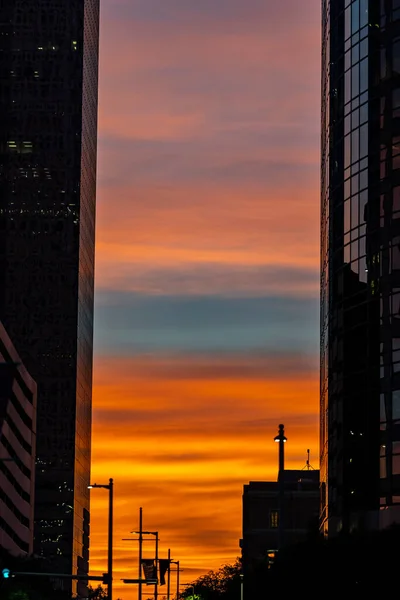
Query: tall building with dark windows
(360, 265)
(48, 140)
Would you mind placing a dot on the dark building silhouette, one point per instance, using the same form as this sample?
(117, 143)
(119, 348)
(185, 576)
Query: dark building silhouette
(261, 514)
(360, 265)
(17, 450)
(48, 140)
(277, 514)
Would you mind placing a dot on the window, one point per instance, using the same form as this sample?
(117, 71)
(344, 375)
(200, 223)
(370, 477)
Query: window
(396, 103)
(355, 82)
(396, 258)
(396, 464)
(396, 153)
(364, 113)
(382, 467)
(396, 10)
(355, 17)
(363, 13)
(354, 211)
(355, 146)
(396, 405)
(396, 57)
(274, 519)
(347, 216)
(395, 308)
(363, 75)
(364, 141)
(382, 411)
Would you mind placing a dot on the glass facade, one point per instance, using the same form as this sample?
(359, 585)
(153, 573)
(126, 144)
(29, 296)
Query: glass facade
(48, 140)
(360, 263)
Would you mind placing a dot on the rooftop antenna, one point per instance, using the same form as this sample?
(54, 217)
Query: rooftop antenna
(307, 466)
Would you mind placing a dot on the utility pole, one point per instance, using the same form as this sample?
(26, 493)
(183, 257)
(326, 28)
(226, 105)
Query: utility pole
(140, 551)
(169, 576)
(142, 533)
(156, 585)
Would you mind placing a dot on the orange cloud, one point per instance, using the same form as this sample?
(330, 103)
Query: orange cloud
(181, 437)
(225, 231)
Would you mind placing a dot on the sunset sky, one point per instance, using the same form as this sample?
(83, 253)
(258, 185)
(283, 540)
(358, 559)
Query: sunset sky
(207, 274)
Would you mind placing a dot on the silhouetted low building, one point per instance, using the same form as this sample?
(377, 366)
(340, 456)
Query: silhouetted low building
(17, 450)
(262, 512)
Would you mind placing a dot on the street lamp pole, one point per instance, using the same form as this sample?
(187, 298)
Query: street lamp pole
(140, 550)
(110, 536)
(178, 570)
(110, 487)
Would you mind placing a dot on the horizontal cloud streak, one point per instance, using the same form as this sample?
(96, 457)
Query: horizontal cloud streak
(208, 278)
(128, 322)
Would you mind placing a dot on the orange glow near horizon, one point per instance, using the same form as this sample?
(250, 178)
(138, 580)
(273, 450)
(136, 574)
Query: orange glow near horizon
(207, 269)
(182, 448)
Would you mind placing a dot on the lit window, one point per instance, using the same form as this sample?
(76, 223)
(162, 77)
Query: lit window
(274, 519)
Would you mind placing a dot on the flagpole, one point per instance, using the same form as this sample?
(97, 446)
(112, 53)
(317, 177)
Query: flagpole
(169, 576)
(140, 551)
(156, 585)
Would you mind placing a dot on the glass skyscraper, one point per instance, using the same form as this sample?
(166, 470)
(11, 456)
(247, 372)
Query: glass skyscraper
(48, 141)
(360, 264)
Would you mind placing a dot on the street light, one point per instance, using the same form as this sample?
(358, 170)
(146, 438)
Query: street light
(110, 487)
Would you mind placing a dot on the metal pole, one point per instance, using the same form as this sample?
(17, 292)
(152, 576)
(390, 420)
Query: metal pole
(140, 550)
(241, 586)
(281, 524)
(177, 580)
(110, 539)
(169, 575)
(156, 585)
(281, 488)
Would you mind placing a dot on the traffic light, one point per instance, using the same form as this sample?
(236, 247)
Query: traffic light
(6, 574)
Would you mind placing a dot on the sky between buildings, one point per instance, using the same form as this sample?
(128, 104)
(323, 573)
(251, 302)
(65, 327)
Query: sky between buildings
(207, 268)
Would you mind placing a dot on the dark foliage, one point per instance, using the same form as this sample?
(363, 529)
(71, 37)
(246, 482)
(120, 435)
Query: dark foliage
(98, 593)
(216, 585)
